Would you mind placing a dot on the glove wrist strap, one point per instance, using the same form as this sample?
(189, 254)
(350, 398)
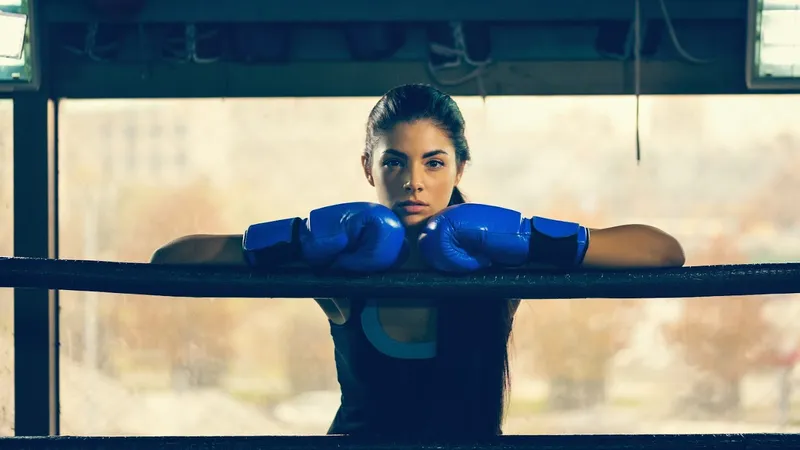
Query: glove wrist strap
(263, 246)
(557, 243)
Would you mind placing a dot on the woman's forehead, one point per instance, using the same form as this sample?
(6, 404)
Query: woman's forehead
(417, 138)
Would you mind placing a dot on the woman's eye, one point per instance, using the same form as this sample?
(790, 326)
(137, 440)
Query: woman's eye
(435, 164)
(392, 163)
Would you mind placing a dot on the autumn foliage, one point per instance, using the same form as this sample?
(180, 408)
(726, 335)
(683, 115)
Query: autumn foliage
(721, 338)
(189, 334)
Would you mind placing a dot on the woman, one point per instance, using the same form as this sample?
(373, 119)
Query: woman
(418, 367)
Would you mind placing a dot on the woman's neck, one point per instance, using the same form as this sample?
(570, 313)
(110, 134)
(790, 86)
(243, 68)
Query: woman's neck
(413, 260)
(413, 231)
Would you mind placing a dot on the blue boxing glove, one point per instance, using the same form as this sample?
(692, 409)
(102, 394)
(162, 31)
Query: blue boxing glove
(359, 237)
(471, 236)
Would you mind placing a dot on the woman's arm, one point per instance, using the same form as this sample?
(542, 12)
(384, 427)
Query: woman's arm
(633, 246)
(202, 249)
(227, 249)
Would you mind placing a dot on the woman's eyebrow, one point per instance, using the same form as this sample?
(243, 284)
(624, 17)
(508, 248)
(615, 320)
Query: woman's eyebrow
(434, 153)
(394, 152)
(425, 155)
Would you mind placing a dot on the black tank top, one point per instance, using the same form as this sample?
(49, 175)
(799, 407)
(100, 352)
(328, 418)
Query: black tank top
(381, 395)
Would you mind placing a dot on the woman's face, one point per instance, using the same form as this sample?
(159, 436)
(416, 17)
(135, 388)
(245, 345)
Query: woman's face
(414, 170)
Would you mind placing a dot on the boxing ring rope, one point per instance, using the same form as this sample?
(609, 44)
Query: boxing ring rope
(215, 281)
(574, 442)
(230, 281)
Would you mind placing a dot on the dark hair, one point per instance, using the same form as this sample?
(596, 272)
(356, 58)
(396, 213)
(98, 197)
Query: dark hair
(471, 377)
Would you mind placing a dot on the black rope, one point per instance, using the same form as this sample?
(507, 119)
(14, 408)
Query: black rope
(230, 281)
(575, 442)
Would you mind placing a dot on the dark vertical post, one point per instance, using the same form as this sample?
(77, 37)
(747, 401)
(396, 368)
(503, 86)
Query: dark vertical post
(35, 310)
(35, 235)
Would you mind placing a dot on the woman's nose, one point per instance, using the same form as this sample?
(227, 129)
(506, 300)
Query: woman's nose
(414, 182)
(410, 186)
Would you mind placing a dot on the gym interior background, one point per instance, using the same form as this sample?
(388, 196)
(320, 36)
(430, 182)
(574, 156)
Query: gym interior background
(155, 119)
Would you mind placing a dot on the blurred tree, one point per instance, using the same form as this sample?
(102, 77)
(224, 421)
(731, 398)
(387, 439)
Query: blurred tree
(191, 334)
(309, 353)
(722, 338)
(771, 204)
(572, 342)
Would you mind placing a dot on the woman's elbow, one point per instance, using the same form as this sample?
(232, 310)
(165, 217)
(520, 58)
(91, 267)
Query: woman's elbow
(174, 252)
(157, 257)
(672, 255)
(666, 251)
(162, 255)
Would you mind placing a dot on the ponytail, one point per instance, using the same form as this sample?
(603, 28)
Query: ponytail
(471, 371)
(457, 198)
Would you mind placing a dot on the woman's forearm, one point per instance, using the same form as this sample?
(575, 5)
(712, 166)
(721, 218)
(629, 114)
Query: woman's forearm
(201, 249)
(633, 246)
(616, 247)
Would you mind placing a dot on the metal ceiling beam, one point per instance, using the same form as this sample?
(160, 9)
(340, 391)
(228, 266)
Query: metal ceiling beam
(61, 11)
(338, 79)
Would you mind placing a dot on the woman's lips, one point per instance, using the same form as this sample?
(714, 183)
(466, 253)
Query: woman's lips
(414, 208)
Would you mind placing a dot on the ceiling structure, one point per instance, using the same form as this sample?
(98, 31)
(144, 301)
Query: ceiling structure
(256, 48)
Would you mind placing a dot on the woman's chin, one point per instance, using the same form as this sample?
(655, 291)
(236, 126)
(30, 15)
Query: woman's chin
(414, 220)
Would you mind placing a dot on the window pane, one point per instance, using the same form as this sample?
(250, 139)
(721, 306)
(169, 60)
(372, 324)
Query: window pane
(717, 172)
(6, 248)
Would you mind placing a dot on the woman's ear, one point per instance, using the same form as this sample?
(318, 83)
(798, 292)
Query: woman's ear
(366, 164)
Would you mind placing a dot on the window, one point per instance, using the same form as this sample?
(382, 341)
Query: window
(180, 156)
(156, 131)
(132, 147)
(6, 248)
(155, 162)
(180, 136)
(130, 365)
(107, 136)
(153, 148)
